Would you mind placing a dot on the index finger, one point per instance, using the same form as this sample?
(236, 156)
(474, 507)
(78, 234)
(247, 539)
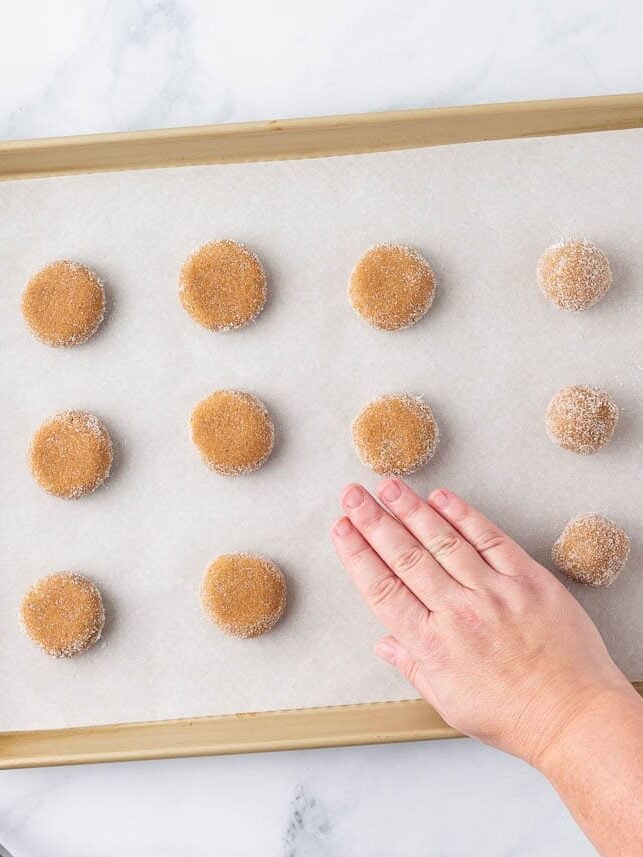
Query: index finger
(391, 601)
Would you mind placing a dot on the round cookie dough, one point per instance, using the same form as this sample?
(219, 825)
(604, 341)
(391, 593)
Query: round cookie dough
(244, 594)
(71, 454)
(574, 274)
(581, 419)
(233, 431)
(223, 286)
(591, 550)
(63, 614)
(395, 434)
(64, 304)
(391, 287)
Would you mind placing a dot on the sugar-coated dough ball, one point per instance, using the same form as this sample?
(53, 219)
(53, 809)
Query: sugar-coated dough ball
(233, 431)
(574, 274)
(581, 419)
(223, 285)
(244, 594)
(592, 550)
(395, 434)
(392, 286)
(63, 614)
(71, 454)
(63, 304)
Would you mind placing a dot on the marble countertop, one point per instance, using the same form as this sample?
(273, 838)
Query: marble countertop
(79, 66)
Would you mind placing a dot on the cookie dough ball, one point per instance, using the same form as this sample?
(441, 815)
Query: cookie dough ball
(63, 614)
(574, 274)
(64, 304)
(71, 454)
(395, 434)
(233, 431)
(581, 419)
(244, 594)
(391, 287)
(223, 285)
(592, 550)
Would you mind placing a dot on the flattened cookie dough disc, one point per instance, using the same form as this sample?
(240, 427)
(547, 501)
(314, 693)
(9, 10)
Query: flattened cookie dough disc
(591, 550)
(581, 419)
(244, 594)
(223, 285)
(391, 287)
(63, 614)
(71, 454)
(233, 431)
(395, 434)
(64, 304)
(574, 275)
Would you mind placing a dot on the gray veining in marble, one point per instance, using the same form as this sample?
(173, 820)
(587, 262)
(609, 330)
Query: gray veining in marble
(79, 66)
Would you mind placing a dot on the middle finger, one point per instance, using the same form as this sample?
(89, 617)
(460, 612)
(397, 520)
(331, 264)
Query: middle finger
(400, 550)
(448, 547)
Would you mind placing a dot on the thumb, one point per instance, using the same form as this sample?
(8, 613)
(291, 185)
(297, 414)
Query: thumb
(393, 652)
(390, 650)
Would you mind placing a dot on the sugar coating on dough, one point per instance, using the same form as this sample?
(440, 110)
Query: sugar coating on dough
(71, 454)
(392, 286)
(64, 304)
(244, 594)
(575, 275)
(63, 614)
(591, 550)
(395, 434)
(233, 431)
(223, 285)
(581, 419)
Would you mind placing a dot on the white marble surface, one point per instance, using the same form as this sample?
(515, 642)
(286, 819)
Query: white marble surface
(74, 66)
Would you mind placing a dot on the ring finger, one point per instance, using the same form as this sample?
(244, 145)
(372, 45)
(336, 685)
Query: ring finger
(447, 546)
(400, 550)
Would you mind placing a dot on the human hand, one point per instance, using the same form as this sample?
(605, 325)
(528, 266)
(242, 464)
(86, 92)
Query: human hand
(487, 635)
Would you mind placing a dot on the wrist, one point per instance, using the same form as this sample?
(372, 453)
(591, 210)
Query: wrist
(583, 723)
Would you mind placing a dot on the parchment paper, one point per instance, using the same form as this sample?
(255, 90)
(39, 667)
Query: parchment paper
(487, 357)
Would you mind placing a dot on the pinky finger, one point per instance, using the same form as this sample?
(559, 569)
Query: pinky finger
(500, 551)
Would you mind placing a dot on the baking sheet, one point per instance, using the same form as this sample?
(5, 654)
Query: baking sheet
(487, 357)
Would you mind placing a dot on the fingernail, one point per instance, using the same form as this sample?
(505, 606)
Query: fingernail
(440, 499)
(385, 651)
(343, 527)
(353, 497)
(390, 491)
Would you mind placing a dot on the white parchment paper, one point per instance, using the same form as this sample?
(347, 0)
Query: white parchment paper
(487, 357)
